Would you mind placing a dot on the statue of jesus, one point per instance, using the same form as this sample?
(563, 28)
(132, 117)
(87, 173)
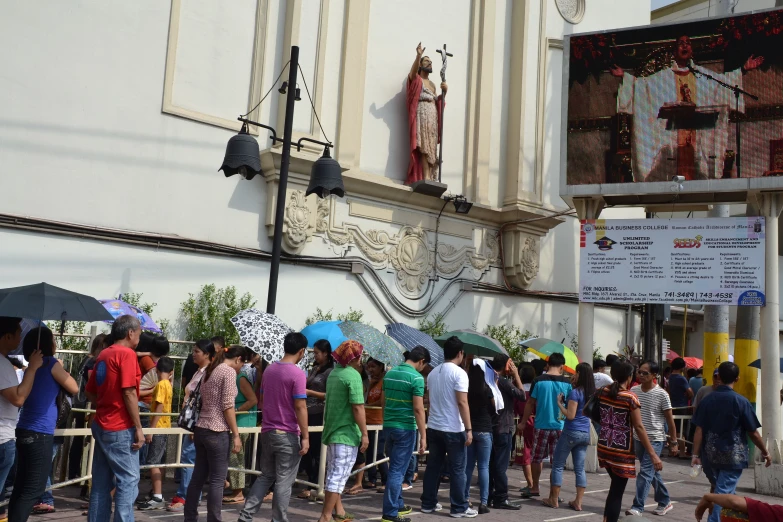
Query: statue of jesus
(424, 119)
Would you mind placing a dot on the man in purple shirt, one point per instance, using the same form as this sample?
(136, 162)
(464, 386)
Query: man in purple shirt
(284, 435)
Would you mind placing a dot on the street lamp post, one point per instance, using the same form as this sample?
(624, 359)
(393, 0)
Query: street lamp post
(242, 157)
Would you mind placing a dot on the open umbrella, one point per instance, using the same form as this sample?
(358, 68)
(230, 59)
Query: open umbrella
(546, 347)
(475, 343)
(261, 332)
(328, 330)
(693, 362)
(410, 338)
(118, 307)
(757, 364)
(379, 346)
(44, 302)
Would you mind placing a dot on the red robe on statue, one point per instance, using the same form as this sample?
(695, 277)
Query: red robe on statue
(415, 172)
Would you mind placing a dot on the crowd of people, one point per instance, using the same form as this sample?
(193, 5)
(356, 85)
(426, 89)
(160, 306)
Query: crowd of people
(468, 414)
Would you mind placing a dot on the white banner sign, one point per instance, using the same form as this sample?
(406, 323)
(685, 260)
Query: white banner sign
(716, 261)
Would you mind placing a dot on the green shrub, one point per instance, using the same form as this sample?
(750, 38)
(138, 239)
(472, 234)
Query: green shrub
(208, 313)
(434, 327)
(510, 337)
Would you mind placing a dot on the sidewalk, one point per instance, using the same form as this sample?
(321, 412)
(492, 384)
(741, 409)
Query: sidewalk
(684, 491)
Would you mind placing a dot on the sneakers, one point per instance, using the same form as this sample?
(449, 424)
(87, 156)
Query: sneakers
(406, 510)
(177, 505)
(633, 512)
(406, 487)
(389, 518)
(468, 513)
(661, 511)
(152, 503)
(483, 509)
(438, 508)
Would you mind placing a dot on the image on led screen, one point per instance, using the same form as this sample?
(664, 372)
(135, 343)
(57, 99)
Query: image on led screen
(658, 102)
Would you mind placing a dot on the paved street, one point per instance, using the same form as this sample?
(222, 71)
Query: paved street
(685, 492)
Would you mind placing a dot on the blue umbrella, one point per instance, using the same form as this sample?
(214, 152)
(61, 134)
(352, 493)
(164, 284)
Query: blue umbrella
(757, 364)
(410, 338)
(118, 307)
(328, 330)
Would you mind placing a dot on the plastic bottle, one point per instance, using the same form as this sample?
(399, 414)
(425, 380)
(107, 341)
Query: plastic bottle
(695, 470)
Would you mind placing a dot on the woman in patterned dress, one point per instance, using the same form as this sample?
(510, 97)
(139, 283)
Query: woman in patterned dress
(619, 410)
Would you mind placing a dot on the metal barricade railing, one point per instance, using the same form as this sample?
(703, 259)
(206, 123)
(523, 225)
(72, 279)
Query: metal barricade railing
(177, 463)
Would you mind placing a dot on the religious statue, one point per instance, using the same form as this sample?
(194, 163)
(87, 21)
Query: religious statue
(683, 85)
(425, 112)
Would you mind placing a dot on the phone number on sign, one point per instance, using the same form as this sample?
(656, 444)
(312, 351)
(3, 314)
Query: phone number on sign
(699, 295)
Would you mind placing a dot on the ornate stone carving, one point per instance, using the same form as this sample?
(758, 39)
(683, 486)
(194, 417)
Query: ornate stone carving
(411, 258)
(298, 229)
(572, 10)
(520, 256)
(408, 253)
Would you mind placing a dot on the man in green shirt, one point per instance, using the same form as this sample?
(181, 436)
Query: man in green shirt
(403, 388)
(345, 429)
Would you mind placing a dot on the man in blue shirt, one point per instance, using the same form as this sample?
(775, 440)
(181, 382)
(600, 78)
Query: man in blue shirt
(724, 420)
(549, 422)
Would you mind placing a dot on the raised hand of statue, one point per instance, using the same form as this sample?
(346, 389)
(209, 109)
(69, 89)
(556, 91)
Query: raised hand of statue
(444, 87)
(615, 71)
(420, 50)
(753, 62)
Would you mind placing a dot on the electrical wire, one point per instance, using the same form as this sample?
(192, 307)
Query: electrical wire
(307, 90)
(274, 84)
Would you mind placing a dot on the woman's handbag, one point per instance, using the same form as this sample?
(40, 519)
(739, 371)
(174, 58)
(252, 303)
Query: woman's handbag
(591, 409)
(188, 417)
(63, 402)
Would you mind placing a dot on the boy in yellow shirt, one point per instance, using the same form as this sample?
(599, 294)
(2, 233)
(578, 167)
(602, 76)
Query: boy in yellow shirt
(160, 403)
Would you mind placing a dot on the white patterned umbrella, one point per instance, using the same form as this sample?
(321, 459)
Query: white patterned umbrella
(261, 332)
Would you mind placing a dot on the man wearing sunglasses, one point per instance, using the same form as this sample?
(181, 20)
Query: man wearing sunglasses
(656, 413)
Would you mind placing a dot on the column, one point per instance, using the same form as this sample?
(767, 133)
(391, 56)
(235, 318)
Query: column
(746, 343)
(586, 209)
(716, 321)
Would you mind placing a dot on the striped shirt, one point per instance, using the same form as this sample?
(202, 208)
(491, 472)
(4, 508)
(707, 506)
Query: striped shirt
(654, 405)
(400, 386)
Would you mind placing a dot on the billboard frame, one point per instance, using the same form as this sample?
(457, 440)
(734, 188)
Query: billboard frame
(645, 194)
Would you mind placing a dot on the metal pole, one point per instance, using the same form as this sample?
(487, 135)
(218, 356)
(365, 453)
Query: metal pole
(746, 343)
(277, 240)
(770, 205)
(716, 320)
(321, 473)
(588, 209)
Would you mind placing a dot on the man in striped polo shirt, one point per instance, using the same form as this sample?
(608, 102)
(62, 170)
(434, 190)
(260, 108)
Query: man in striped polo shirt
(403, 413)
(656, 414)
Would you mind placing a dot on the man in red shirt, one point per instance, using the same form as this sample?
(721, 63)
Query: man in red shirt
(757, 511)
(113, 388)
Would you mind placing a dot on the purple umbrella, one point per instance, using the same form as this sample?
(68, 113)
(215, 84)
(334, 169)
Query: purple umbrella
(117, 307)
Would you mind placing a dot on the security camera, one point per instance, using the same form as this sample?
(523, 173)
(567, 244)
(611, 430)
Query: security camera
(678, 179)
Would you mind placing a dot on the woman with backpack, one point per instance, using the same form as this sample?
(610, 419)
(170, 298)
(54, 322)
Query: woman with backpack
(37, 422)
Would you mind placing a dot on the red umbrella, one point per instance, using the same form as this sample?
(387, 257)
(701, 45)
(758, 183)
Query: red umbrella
(693, 362)
(671, 355)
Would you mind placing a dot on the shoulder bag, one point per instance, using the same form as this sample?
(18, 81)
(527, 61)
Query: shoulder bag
(188, 417)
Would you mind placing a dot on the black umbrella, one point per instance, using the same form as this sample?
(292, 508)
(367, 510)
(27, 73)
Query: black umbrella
(44, 302)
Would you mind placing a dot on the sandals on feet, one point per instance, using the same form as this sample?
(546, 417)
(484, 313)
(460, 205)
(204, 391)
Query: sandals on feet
(573, 506)
(43, 509)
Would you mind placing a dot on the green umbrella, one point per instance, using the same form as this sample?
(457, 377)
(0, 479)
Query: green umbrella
(546, 347)
(475, 343)
(378, 345)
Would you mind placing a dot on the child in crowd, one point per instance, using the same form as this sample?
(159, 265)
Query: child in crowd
(160, 403)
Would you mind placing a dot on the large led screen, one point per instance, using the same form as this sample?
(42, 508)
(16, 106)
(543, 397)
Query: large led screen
(659, 103)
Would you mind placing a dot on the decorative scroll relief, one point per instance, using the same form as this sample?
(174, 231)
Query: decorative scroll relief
(521, 255)
(407, 253)
(572, 10)
(297, 227)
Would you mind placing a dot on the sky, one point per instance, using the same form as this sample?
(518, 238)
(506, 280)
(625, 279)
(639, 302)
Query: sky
(660, 3)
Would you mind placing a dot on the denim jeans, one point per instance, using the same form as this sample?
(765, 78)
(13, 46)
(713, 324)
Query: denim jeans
(478, 455)
(114, 465)
(441, 444)
(399, 447)
(725, 481)
(188, 456)
(47, 497)
(498, 466)
(211, 468)
(34, 453)
(574, 443)
(649, 477)
(279, 466)
(383, 469)
(7, 458)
